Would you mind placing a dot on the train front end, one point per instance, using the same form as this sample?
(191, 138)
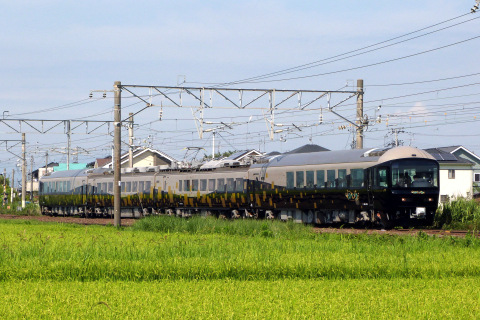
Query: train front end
(405, 187)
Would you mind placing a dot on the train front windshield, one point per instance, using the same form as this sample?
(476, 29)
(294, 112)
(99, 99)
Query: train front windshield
(414, 173)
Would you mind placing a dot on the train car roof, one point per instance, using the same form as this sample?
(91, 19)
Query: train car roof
(345, 156)
(66, 174)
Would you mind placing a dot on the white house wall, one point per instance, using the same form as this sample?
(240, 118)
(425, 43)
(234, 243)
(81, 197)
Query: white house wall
(461, 186)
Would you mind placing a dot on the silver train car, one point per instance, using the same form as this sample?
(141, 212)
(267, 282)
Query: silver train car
(398, 186)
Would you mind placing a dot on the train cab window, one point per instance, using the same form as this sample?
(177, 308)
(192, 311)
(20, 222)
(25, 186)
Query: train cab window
(239, 185)
(300, 177)
(342, 178)
(356, 178)
(148, 184)
(140, 186)
(331, 179)
(194, 185)
(203, 184)
(186, 185)
(211, 184)
(221, 185)
(290, 180)
(110, 187)
(320, 178)
(310, 179)
(230, 184)
(123, 186)
(180, 183)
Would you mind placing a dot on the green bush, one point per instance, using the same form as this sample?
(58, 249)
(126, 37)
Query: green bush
(459, 214)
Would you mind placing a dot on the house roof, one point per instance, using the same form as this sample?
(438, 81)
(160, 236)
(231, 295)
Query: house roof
(444, 156)
(103, 161)
(307, 149)
(139, 151)
(453, 149)
(237, 156)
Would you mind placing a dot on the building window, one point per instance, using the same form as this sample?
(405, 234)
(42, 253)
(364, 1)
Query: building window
(451, 174)
(476, 177)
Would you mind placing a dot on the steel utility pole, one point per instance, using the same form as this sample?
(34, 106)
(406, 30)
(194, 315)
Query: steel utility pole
(69, 137)
(31, 178)
(4, 186)
(24, 171)
(117, 154)
(130, 140)
(12, 183)
(359, 114)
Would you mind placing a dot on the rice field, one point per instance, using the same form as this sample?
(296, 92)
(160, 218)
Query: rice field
(205, 268)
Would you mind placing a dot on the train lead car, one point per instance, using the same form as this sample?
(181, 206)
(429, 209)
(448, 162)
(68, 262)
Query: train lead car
(398, 186)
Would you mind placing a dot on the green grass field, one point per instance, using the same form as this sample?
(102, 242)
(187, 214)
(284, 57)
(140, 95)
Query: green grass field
(205, 268)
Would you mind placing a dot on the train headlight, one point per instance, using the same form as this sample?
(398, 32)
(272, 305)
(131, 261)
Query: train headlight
(430, 199)
(404, 199)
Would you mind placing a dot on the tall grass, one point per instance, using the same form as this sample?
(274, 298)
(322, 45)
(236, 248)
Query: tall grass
(459, 214)
(36, 251)
(31, 209)
(211, 225)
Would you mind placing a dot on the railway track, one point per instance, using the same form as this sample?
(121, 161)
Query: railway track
(129, 222)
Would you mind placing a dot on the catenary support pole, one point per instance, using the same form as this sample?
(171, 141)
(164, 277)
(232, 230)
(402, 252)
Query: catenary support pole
(117, 154)
(24, 171)
(12, 184)
(69, 138)
(359, 121)
(31, 179)
(5, 198)
(130, 140)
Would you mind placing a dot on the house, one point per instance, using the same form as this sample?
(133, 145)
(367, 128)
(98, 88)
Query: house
(144, 157)
(456, 174)
(464, 153)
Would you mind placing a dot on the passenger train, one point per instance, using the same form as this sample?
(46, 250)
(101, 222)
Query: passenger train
(388, 187)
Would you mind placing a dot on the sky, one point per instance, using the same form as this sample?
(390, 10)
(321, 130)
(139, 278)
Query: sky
(418, 60)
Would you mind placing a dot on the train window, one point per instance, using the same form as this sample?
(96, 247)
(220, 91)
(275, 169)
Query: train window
(342, 178)
(380, 177)
(300, 177)
(230, 184)
(195, 185)
(99, 188)
(104, 188)
(320, 178)
(186, 185)
(221, 185)
(331, 179)
(290, 180)
(239, 185)
(203, 184)
(123, 186)
(310, 179)
(148, 184)
(211, 184)
(110, 187)
(128, 187)
(180, 184)
(356, 178)
(68, 186)
(134, 186)
(140, 186)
